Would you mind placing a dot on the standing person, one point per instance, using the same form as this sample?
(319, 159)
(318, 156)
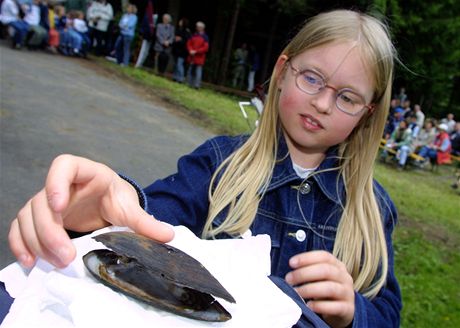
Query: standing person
(99, 15)
(240, 63)
(254, 66)
(449, 120)
(147, 32)
(127, 27)
(197, 46)
(179, 49)
(163, 42)
(305, 177)
(420, 115)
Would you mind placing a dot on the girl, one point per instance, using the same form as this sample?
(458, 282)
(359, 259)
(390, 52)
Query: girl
(127, 26)
(304, 177)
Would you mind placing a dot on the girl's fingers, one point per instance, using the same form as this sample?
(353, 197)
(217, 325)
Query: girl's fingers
(312, 257)
(333, 311)
(324, 290)
(49, 231)
(316, 272)
(18, 247)
(68, 172)
(147, 225)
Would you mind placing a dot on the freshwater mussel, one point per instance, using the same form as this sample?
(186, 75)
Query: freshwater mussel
(159, 275)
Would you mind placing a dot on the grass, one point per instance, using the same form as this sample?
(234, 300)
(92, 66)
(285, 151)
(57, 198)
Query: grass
(427, 239)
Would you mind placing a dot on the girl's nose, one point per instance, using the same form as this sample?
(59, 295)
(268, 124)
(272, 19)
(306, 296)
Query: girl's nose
(324, 101)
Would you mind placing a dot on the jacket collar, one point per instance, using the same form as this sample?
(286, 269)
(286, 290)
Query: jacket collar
(330, 182)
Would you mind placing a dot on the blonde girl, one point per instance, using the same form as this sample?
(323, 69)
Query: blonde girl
(305, 177)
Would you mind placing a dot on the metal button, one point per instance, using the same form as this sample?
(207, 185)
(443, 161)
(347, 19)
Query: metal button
(305, 188)
(300, 235)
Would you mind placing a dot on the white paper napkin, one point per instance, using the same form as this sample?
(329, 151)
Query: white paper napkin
(70, 297)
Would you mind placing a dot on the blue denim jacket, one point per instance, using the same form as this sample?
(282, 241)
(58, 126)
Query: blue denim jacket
(182, 199)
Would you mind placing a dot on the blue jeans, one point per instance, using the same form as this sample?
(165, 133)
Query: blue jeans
(20, 31)
(179, 70)
(427, 152)
(123, 49)
(194, 74)
(404, 152)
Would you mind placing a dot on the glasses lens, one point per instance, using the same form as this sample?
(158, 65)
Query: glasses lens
(310, 82)
(350, 102)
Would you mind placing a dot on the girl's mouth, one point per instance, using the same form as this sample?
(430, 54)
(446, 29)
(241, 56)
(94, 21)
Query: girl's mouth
(311, 123)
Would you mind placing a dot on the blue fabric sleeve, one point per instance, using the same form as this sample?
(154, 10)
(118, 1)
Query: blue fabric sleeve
(5, 302)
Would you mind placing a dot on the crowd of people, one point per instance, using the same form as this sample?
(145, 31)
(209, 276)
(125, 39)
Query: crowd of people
(46, 24)
(407, 131)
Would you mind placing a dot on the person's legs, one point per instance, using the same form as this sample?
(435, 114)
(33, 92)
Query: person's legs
(20, 31)
(190, 74)
(127, 49)
(251, 77)
(198, 75)
(403, 154)
(180, 69)
(75, 41)
(119, 49)
(432, 153)
(423, 152)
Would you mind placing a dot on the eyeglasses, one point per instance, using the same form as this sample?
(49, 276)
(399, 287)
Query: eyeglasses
(346, 100)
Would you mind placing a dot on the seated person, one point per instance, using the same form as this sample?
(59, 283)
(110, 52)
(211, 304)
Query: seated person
(425, 137)
(439, 151)
(400, 140)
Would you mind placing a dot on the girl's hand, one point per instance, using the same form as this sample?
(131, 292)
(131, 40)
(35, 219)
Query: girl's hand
(79, 195)
(324, 282)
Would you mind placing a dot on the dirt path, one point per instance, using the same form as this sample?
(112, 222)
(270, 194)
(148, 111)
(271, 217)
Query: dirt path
(50, 104)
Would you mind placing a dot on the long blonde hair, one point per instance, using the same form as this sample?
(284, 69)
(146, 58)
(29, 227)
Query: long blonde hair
(360, 240)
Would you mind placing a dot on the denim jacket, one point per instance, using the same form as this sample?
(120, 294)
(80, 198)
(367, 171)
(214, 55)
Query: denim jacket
(298, 215)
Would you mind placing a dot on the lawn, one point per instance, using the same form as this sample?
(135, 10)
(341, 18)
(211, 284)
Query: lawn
(427, 238)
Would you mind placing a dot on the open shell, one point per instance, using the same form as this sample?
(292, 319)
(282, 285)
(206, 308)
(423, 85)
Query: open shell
(158, 274)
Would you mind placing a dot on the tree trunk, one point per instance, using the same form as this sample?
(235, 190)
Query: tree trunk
(228, 47)
(269, 49)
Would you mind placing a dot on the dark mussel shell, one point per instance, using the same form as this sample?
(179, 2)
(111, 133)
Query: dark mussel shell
(158, 274)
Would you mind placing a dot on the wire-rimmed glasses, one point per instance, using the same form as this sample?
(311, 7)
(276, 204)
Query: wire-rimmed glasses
(347, 100)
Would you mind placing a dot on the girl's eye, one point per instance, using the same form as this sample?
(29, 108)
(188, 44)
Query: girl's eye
(312, 79)
(349, 98)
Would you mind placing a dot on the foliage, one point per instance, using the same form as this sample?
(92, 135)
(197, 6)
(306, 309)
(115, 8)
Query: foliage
(427, 38)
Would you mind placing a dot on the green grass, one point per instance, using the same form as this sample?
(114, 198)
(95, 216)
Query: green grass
(213, 110)
(426, 241)
(427, 244)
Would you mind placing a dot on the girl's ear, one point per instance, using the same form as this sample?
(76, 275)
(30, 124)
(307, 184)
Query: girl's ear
(280, 69)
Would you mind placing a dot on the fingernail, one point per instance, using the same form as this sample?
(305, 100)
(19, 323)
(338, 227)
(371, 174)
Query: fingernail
(288, 278)
(293, 261)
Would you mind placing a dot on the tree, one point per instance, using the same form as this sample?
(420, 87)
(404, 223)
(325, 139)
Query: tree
(427, 37)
